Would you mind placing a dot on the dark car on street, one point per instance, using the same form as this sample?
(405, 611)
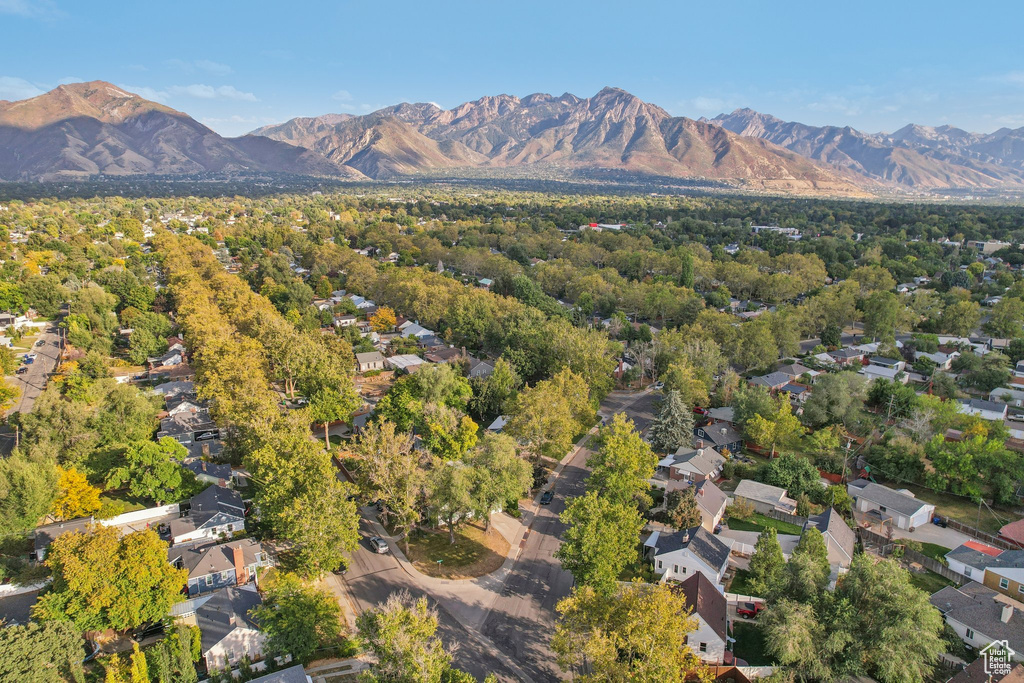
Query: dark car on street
(547, 498)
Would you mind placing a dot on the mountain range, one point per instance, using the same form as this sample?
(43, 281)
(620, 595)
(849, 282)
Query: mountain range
(84, 129)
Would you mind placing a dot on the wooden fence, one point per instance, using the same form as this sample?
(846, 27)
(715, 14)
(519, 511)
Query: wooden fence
(991, 539)
(885, 547)
(786, 517)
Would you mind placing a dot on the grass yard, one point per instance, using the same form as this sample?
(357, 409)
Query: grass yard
(928, 581)
(935, 551)
(741, 583)
(749, 645)
(962, 509)
(474, 553)
(760, 522)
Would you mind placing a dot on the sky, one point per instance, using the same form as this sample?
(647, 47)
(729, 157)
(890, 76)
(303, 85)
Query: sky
(237, 65)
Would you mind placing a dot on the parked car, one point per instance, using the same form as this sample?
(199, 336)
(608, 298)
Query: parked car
(749, 610)
(21, 371)
(379, 545)
(41, 342)
(340, 570)
(146, 630)
(547, 498)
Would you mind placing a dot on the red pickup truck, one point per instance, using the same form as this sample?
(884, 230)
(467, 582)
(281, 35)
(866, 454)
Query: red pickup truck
(749, 610)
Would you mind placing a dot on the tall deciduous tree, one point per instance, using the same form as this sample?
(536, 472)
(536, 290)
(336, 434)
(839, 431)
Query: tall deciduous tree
(297, 618)
(622, 466)
(76, 497)
(104, 580)
(673, 427)
(451, 492)
(600, 540)
(547, 415)
(401, 634)
(781, 429)
(392, 471)
(637, 633)
(500, 476)
(331, 405)
(152, 469)
(27, 490)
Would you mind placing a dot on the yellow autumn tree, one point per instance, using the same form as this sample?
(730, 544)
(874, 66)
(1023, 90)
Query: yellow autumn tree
(76, 497)
(383, 320)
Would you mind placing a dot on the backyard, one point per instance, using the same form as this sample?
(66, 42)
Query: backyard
(750, 645)
(963, 510)
(759, 523)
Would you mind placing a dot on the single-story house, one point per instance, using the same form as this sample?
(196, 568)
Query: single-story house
(711, 500)
(943, 361)
(1000, 570)
(797, 392)
(345, 320)
(213, 566)
(693, 464)
(410, 329)
(986, 410)
(444, 355)
(212, 512)
(1009, 395)
(773, 381)
(764, 498)
(681, 554)
(711, 609)
(1018, 369)
(900, 507)
(796, 371)
(371, 360)
(873, 372)
(228, 631)
(1013, 532)
(980, 616)
(720, 435)
(48, 533)
(215, 473)
(847, 356)
(725, 414)
(405, 361)
(840, 539)
(174, 390)
(883, 362)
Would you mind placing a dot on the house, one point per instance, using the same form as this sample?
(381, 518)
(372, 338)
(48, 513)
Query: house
(191, 424)
(725, 414)
(174, 390)
(942, 360)
(480, 368)
(797, 392)
(345, 320)
(764, 498)
(167, 360)
(1009, 395)
(228, 631)
(445, 355)
(405, 361)
(48, 533)
(986, 410)
(211, 566)
(498, 424)
(693, 464)
(216, 473)
(1013, 532)
(681, 554)
(899, 508)
(840, 539)
(847, 356)
(720, 435)
(773, 381)
(975, 673)
(796, 371)
(293, 674)
(891, 363)
(711, 500)
(1000, 570)
(873, 372)
(980, 616)
(1018, 369)
(710, 608)
(485, 282)
(413, 330)
(371, 360)
(212, 512)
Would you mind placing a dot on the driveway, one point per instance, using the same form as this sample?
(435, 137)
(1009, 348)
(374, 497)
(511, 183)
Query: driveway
(926, 533)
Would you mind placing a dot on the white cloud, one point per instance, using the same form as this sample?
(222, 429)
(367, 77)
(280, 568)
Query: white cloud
(32, 9)
(342, 96)
(13, 88)
(209, 92)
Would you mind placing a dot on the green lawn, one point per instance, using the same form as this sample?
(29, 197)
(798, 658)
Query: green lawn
(473, 554)
(741, 583)
(935, 551)
(962, 509)
(928, 581)
(749, 645)
(760, 522)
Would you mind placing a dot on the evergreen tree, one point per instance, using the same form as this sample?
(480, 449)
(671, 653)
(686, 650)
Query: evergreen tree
(673, 427)
(686, 269)
(767, 564)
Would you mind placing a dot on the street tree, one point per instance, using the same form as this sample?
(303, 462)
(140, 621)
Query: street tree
(621, 467)
(152, 469)
(297, 617)
(402, 636)
(548, 415)
(391, 470)
(501, 477)
(600, 540)
(450, 487)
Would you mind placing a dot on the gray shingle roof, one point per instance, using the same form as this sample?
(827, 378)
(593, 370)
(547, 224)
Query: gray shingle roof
(831, 522)
(887, 497)
(976, 607)
(979, 560)
(772, 379)
(698, 541)
(293, 674)
(981, 404)
(212, 558)
(720, 434)
(215, 618)
(755, 490)
(704, 460)
(45, 535)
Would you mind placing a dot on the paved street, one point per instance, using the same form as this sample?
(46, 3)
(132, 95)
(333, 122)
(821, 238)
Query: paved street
(522, 618)
(372, 578)
(33, 382)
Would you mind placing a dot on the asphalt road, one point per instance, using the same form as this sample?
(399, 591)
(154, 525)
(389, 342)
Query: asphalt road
(522, 619)
(372, 578)
(33, 382)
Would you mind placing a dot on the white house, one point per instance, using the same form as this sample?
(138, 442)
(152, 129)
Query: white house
(228, 631)
(873, 372)
(980, 616)
(986, 410)
(899, 508)
(1018, 370)
(405, 361)
(711, 610)
(764, 498)
(943, 361)
(372, 360)
(213, 512)
(678, 555)
(711, 500)
(693, 464)
(1010, 395)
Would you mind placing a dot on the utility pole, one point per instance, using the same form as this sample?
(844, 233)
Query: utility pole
(888, 415)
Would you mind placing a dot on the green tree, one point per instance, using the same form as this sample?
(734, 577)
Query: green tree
(450, 484)
(401, 634)
(447, 433)
(28, 484)
(892, 399)
(685, 269)
(152, 470)
(138, 671)
(12, 300)
(682, 508)
(1007, 318)
(672, 429)
(41, 653)
(600, 541)
(781, 429)
(331, 405)
(792, 472)
(391, 471)
(884, 315)
(750, 401)
(961, 318)
(8, 361)
(767, 565)
(548, 415)
(104, 580)
(837, 399)
(495, 394)
(621, 467)
(297, 618)
(142, 344)
(808, 567)
(501, 477)
(638, 633)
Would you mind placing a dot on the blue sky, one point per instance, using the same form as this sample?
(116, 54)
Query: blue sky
(237, 65)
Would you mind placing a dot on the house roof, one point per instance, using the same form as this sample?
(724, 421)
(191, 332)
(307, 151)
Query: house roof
(703, 460)
(704, 598)
(755, 490)
(370, 357)
(205, 505)
(706, 493)
(442, 355)
(981, 404)
(498, 424)
(171, 390)
(47, 534)
(880, 371)
(903, 503)
(976, 606)
(771, 380)
(404, 361)
(846, 353)
(227, 610)
(293, 674)
(720, 434)
(795, 370)
(981, 556)
(697, 540)
(795, 389)
(724, 414)
(198, 466)
(830, 523)
(212, 558)
(1014, 531)
(975, 673)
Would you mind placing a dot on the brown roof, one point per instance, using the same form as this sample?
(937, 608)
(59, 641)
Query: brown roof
(1014, 531)
(703, 598)
(975, 673)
